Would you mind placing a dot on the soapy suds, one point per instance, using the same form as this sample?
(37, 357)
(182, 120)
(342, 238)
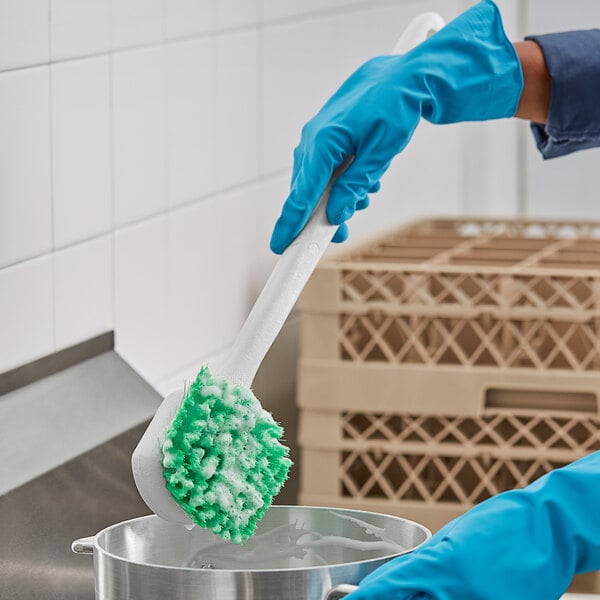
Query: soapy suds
(293, 545)
(371, 529)
(222, 459)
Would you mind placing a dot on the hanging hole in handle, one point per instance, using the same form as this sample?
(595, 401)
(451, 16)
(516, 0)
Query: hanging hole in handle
(340, 591)
(421, 28)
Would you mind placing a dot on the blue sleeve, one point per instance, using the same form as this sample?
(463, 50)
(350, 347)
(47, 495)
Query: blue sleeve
(573, 61)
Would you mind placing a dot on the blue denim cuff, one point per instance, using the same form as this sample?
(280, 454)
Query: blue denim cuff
(573, 61)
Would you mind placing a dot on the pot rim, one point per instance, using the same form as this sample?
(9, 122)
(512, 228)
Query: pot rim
(385, 557)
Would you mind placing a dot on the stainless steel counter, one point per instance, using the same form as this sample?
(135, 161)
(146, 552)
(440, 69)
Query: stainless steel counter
(65, 451)
(53, 420)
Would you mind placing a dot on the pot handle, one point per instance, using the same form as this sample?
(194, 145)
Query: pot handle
(340, 591)
(83, 545)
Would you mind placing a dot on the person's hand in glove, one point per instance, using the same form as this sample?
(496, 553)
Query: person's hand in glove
(520, 545)
(468, 71)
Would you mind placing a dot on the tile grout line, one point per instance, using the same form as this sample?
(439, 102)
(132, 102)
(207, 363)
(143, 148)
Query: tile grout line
(524, 181)
(165, 126)
(260, 87)
(166, 230)
(113, 217)
(51, 190)
(163, 8)
(293, 318)
(171, 210)
(200, 360)
(360, 6)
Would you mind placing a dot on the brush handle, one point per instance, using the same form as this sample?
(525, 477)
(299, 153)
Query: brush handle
(280, 293)
(299, 260)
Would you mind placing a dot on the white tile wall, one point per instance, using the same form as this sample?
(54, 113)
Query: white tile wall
(81, 149)
(141, 295)
(297, 78)
(236, 94)
(25, 194)
(139, 132)
(201, 250)
(424, 179)
(150, 178)
(230, 14)
(191, 120)
(241, 254)
(512, 12)
(217, 262)
(23, 33)
(26, 312)
(280, 9)
(83, 291)
(566, 187)
(490, 173)
(189, 17)
(271, 195)
(546, 16)
(187, 373)
(491, 158)
(209, 275)
(79, 27)
(136, 22)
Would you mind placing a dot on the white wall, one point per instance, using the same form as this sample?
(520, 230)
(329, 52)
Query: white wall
(491, 173)
(145, 149)
(504, 174)
(566, 187)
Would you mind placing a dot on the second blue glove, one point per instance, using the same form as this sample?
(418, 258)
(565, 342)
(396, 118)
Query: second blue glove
(520, 545)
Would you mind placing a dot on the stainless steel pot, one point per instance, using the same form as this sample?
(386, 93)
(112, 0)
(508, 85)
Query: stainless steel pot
(297, 553)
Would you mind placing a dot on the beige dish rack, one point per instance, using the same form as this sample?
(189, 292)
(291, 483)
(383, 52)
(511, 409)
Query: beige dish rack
(449, 361)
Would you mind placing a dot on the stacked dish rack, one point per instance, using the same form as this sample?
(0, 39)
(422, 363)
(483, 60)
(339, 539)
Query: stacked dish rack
(448, 361)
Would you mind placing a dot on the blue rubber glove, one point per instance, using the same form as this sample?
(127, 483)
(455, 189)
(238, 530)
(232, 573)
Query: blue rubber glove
(468, 71)
(521, 545)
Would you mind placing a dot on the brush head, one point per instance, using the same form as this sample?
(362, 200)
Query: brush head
(146, 463)
(222, 459)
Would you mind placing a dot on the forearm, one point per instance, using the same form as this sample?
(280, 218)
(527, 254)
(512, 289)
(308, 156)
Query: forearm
(567, 118)
(535, 97)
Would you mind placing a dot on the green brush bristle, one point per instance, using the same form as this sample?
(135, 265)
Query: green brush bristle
(222, 459)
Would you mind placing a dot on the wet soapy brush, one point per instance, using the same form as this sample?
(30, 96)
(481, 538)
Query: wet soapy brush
(212, 455)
